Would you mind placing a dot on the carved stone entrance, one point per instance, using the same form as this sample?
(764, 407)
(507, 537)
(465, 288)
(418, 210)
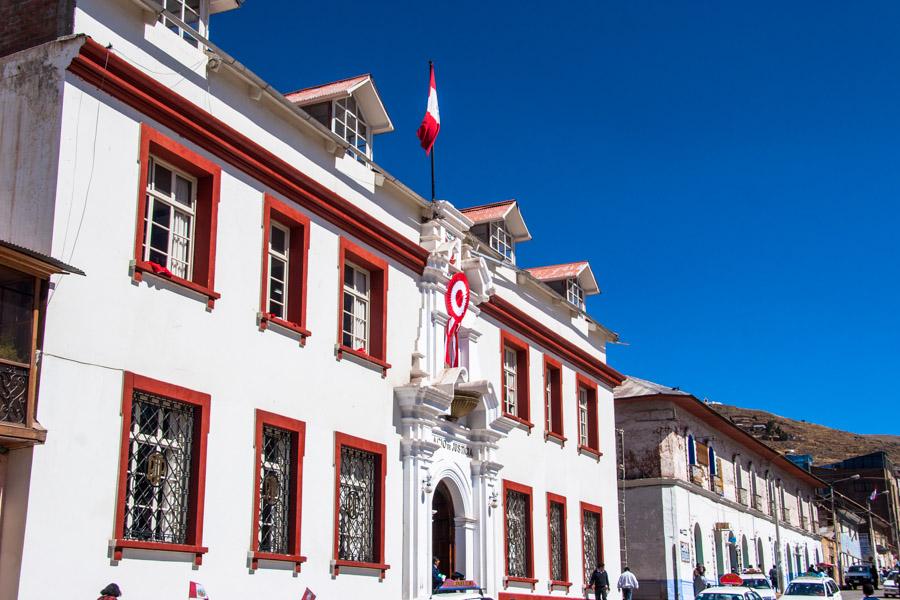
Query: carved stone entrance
(443, 542)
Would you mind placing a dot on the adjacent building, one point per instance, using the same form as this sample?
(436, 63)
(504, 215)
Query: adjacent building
(700, 490)
(251, 386)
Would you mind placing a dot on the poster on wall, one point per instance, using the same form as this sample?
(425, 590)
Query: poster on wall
(685, 552)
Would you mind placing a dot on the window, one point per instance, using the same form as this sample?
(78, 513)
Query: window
(574, 293)
(20, 302)
(500, 239)
(348, 123)
(588, 431)
(285, 247)
(553, 408)
(177, 212)
(360, 471)
(591, 537)
(194, 13)
(278, 478)
(162, 473)
(517, 527)
(556, 537)
(515, 379)
(363, 319)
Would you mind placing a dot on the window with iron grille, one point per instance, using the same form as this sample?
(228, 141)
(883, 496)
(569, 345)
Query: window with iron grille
(356, 309)
(556, 516)
(279, 269)
(275, 490)
(510, 366)
(169, 218)
(500, 239)
(518, 534)
(357, 506)
(590, 541)
(349, 124)
(158, 483)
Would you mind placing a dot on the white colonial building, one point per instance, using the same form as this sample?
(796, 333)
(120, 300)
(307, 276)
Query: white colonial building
(700, 490)
(249, 386)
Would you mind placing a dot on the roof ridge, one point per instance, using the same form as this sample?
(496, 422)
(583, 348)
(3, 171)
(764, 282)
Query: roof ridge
(574, 262)
(489, 205)
(321, 85)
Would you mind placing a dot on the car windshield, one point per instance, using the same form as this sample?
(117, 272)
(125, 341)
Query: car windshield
(720, 596)
(859, 569)
(758, 583)
(805, 589)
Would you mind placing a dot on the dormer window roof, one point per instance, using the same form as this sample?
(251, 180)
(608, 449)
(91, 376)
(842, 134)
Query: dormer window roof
(499, 225)
(351, 108)
(572, 281)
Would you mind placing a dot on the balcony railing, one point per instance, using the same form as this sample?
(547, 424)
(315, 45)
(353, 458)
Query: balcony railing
(13, 392)
(758, 502)
(743, 496)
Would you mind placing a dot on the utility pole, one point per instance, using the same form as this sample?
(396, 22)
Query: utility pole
(773, 503)
(836, 528)
(623, 532)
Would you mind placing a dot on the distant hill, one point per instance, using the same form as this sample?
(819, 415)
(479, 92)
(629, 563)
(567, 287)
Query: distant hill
(826, 445)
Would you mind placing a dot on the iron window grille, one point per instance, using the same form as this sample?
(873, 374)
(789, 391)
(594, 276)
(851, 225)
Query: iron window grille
(348, 123)
(518, 527)
(356, 523)
(557, 543)
(500, 239)
(279, 267)
(13, 392)
(275, 490)
(159, 469)
(510, 372)
(357, 302)
(590, 530)
(169, 218)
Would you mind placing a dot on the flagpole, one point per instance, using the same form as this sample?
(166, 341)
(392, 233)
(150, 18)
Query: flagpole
(430, 65)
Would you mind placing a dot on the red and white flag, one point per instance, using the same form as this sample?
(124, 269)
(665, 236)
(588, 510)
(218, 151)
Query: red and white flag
(431, 124)
(308, 595)
(197, 591)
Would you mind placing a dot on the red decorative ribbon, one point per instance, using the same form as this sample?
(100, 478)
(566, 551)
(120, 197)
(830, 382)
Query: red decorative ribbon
(457, 301)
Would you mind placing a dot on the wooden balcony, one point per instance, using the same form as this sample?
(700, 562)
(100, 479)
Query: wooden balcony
(18, 427)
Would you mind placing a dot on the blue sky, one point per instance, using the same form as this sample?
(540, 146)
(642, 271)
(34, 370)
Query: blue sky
(729, 169)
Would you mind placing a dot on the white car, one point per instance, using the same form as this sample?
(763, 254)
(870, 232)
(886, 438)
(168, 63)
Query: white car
(890, 584)
(728, 592)
(804, 588)
(760, 584)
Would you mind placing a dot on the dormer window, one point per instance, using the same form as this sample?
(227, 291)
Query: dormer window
(349, 124)
(574, 293)
(194, 13)
(501, 240)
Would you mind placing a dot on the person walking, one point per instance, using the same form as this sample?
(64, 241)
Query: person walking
(868, 591)
(699, 580)
(773, 577)
(873, 570)
(599, 582)
(627, 583)
(110, 592)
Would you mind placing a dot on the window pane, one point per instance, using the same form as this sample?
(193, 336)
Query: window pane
(16, 302)
(162, 214)
(277, 269)
(162, 179)
(159, 240)
(183, 188)
(276, 292)
(278, 240)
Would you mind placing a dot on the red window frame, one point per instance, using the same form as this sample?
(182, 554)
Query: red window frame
(378, 287)
(298, 259)
(380, 450)
(565, 582)
(527, 491)
(554, 408)
(298, 435)
(598, 510)
(593, 446)
(201, 404)
(208, 176)
(508, 340)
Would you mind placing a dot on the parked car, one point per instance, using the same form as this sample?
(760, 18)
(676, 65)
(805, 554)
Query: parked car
(804, 588)
(858, 575)
(759, 583)
(728, 592)
(891, 586)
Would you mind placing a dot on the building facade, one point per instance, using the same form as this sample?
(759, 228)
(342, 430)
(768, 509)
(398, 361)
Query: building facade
(698, 490)
(251, 388)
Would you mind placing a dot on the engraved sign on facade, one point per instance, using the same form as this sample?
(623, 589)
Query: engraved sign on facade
(453, 446)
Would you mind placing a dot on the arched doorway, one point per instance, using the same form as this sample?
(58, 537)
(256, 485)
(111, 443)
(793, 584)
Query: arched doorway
(698, 545)
(734, 555)
(789, 561)
(760, 555)
(745, 553)
(720, 558)
(443, 534)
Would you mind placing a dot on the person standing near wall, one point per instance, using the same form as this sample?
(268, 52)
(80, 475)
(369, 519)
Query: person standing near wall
(627, 583)
(699, 580)
(600, 582)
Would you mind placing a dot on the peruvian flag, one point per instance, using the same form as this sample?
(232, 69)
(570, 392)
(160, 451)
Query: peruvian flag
(197, 591)
(308, 595)
(431, 124)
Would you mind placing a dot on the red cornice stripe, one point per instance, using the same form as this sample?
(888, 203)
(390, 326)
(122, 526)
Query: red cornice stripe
(99, 66)
(527, 326)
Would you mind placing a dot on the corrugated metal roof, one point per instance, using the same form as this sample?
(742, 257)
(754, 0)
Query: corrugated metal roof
(328, 90)
(556, 272)
(49, 260)
(634, 386)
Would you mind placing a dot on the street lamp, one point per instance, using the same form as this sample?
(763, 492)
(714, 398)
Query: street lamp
(836, 526)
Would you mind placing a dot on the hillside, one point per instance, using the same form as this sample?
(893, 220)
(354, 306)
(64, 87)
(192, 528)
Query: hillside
(826, 445)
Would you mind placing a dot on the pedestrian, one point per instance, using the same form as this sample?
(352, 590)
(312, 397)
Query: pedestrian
(868, 591)
(873, 570)
(699, 580)
(773, 577)
(599, 582)
(110, 592)
(627, 583)
(437, 578)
